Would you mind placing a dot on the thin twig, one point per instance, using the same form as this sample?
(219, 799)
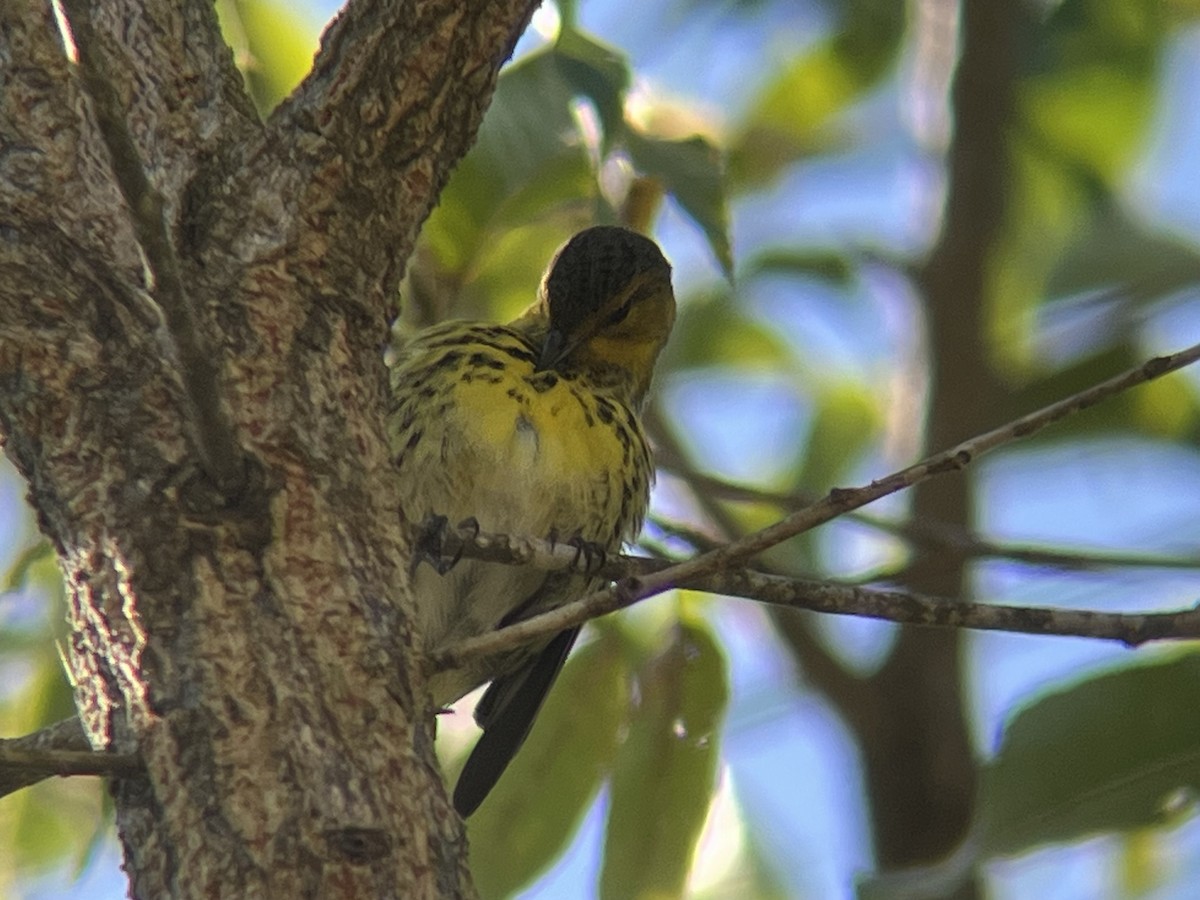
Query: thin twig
(210, 429)
(818, 596)
(69, 762)
(933, 534)
(58, 749)
(840, 500)
(822, 668)
(916, 609)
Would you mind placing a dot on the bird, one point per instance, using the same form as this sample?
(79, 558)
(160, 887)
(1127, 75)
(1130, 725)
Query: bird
(533, 429)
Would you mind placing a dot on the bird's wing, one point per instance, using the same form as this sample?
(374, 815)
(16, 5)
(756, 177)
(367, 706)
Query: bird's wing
(506, 713)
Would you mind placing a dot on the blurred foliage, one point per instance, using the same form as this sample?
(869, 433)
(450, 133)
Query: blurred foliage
(1086, 99)
(520, 832)
(55, 821)
(1108, 754)
(272, 45)
(543, 167)
(665, 772)
(799, 112)
(1078, 282)
(555, 131)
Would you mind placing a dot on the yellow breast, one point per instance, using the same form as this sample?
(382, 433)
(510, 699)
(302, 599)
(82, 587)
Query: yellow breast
(478, 432)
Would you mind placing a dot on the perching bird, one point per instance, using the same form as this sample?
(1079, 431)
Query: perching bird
(530, 429)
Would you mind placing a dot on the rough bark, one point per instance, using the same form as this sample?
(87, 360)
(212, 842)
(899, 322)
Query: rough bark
(248, 638)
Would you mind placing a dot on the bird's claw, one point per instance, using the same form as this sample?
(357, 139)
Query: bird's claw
(430, 545)
(440, 545)
(594, 555)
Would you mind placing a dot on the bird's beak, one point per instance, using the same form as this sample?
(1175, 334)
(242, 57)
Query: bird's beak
(554, 348)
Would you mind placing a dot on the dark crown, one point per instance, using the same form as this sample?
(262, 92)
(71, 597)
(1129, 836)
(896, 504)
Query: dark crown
(594, 266)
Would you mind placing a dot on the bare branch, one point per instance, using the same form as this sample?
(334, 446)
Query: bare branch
(842, 500)
(58, 749)
(696, 571)
(62, 749)
(69, 762)
(970, 546)
(922, 532)
(797, 593)
(210, 429)
(915, 609)
(822, 669)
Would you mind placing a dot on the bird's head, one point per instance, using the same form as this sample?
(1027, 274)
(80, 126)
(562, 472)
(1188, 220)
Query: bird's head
(607, 306)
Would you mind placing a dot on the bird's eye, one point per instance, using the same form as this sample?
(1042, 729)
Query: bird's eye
(620, 315)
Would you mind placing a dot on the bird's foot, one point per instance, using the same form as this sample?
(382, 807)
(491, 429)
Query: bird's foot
(471, 524)
(594, 555)
(438, 544)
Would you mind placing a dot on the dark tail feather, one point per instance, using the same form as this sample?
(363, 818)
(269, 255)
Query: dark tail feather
(506, 713)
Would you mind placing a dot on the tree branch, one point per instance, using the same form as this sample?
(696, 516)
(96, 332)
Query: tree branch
(915, 609)
(696, 571)
(921, 532)
(209, 428)
(393, 101)
(197, 107)
(62, 749)
(797, 593)
(822, 669)
(58, 749)
(842, 500)
(40, 764)
(940, 535)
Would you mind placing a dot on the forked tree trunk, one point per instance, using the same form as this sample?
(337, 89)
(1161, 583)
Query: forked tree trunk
(198, 409)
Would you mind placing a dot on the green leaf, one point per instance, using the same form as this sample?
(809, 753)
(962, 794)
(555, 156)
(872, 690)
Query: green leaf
(666, 770)
(528, 139)
(1088, 82)
(599, 73)
(712, 331)
(527, 821)
(567, 12)
(831, 267)
(791, 118)
(529, 162)
(1114, 250)
(29, 560)
(692, 173)
(508, 270)
(1167, 407)
(847, 417)
(49, 823)
(1046, 208)
(1085, 98)
(1116, 752)
(1095, 116)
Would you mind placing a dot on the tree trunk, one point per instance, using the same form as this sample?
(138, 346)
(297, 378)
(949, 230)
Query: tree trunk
(193, 307)
(920, 762)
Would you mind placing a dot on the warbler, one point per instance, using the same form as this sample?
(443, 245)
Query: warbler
(529, 429)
